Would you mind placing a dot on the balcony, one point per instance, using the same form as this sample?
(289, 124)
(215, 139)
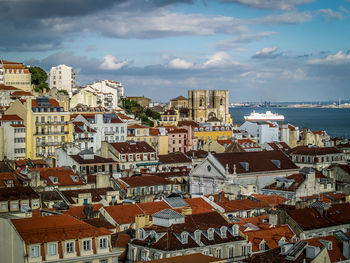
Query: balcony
(51, 133)
(109, 132)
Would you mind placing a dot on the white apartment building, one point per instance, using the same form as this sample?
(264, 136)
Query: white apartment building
(62, 77)
(108, 93)
(97, 128)
(12, 137)
(263, 131)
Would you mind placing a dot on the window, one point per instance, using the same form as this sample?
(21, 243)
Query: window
(52, 249)
(218, 253)
(34, 251)
(231, 252)
(70, 247)
(87, 245)
(103, 243)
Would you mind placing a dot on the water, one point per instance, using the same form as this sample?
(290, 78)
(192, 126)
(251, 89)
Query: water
(336, 122)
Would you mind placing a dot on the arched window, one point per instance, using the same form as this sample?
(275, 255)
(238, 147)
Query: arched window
(210, 233)
(184, 237)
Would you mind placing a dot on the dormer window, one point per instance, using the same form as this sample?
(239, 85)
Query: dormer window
(52, 249)
(141, 233)
(223, 231)
(184, 237)
(245, 166)
(197, 235)
(235, 230)
(103, 243)
(262, 245)
(34, 251)
(210, 233)
(277, 163)
(86, 245)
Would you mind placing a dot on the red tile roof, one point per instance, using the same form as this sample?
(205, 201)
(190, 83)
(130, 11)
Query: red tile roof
(42, 229)
(257, 161)
(17, 193)
(64, 176)
(187, 123)
(305, 150)
(192, 258)
(272, 200)
(271, 236)
(95, 160)
(135, 147)
(199, 205)
(298, 179)
(5, 177)
(137, 126)
(10, 117)
(5, 87)
(176, 157)
(146, 180)
(241, 205)
(78, 211)
(54, 103)
(310, 218)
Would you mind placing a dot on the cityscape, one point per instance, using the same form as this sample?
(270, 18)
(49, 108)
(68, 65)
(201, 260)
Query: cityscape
(162, 157)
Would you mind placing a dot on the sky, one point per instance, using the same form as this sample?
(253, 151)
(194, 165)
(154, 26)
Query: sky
(270, 50)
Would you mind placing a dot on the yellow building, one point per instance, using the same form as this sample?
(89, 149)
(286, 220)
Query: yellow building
(15, 74)
(212, 133)
(47, 125)
(155, 137)
(169, 118)
(84, 97)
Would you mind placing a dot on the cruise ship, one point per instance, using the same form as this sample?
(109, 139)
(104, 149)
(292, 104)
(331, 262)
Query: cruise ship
(268, 116)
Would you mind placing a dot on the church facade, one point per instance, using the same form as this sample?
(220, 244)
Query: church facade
(204, 105)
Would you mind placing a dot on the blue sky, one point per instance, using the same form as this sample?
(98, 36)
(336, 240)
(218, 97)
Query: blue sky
(277, 50)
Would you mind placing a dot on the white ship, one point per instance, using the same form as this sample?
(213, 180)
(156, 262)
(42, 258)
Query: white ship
(268, 116)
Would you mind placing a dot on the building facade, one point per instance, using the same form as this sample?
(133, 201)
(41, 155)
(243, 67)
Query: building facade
(62, 77)
(203, 105)
(15, 74)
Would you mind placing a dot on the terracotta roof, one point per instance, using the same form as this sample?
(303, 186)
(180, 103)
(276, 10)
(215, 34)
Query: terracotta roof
(96, 159)
(17, 193)
(199, 205)
(279, 146)
(275, 256)
(272, 200)
(175, 130)
(336, 253)
(197, 154)
(225, 142)
(42, 229)
(99, 222)
(137, 126)
(65, 177)
(305, 150)
(125, 214)
(326, 198)
(344, 167)
(10, 117)
(78, 211)
(271, 236)
(146, 180)
(259, 221)
(204, 221)
(241, 205)
(5, 177)
(310, 218)
(121, 240)
(187, 123)
(54, 103)
(193, 258)
(21, 94)
(257, 161)
(124, 117)
(154, 132)
(96, 193)
(176, 157)
(5, 87)
(135, 147)
(297, 178)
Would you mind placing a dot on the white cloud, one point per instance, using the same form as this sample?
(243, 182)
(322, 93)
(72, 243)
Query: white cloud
(344, 10)
(219, 59)
(267, 52)
(243, 38)
(337, 59)
(178, 63)
(272, 4)
(111, 62)
(285, 18)
(329, 13)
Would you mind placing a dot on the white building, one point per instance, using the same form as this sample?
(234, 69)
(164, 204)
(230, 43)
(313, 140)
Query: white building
(62, 77)
(97, 128)
(108, 93)
(263, 131)
(12, 137)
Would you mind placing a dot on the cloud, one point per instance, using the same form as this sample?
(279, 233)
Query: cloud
(244, 38)
(111, 62)
(178, 63)
(267, 53)
(219, 59)
(337, 59)
(284, 18)
(329, 13)
(271, 4)
(344, 10)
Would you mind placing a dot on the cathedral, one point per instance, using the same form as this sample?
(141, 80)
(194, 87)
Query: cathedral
(204, 105)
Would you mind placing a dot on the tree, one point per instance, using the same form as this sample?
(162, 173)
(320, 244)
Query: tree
(38, 78)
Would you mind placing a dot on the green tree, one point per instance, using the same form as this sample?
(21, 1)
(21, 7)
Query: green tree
(38, 78)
